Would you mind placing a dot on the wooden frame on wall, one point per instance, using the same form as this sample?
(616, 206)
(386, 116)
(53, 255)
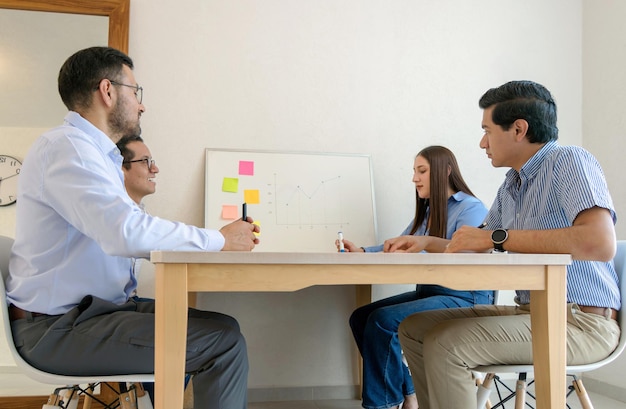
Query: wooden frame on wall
(118, 12)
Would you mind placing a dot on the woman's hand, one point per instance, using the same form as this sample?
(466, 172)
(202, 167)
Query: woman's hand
(349, 246)
(405, 244)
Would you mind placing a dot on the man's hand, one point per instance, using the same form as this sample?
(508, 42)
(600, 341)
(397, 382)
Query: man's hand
(467, 239)
(239, 235)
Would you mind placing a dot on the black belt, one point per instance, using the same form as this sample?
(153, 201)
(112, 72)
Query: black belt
(16, 313)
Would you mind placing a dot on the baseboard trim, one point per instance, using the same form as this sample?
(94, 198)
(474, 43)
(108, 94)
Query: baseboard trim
(9, 369)
(254, 395)
(304, 393)
(605, 389)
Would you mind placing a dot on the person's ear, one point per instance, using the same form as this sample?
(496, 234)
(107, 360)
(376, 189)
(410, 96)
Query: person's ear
(521, 128)
(104, 92)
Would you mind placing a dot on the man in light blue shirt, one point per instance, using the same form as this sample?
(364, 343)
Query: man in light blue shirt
(71, 279)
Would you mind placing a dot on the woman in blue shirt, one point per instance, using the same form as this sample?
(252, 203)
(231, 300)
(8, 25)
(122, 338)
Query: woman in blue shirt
(444, 203)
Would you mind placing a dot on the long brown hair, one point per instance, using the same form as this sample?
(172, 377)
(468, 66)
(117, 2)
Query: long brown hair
(442, 161)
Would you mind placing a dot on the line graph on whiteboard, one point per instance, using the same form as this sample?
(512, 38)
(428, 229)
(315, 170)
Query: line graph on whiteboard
(315, 205)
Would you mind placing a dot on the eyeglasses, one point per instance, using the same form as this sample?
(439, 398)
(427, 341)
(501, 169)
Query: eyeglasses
(138, 89)
(149, 162)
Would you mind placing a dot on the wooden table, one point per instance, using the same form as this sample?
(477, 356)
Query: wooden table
(178, 273)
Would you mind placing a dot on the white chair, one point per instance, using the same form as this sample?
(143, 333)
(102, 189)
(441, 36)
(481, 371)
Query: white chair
(67, 396)
(520, 392)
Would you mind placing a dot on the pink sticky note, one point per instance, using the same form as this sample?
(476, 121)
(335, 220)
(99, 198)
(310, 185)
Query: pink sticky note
(246, 167)
(230, 212)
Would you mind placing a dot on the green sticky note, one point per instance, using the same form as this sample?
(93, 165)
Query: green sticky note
(230, 185)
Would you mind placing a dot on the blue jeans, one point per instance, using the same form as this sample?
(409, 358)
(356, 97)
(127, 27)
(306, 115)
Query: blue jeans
(386, 380)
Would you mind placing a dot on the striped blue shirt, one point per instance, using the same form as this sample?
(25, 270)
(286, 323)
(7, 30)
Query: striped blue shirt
(549, 192)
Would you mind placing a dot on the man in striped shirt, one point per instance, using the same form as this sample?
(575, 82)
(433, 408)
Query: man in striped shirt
(554, 200)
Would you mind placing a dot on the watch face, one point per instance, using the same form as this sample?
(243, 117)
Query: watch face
(499, 236)
(9, 170)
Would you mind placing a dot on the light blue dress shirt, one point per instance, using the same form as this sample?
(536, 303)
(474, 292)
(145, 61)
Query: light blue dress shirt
(77, 229)
(463, 209)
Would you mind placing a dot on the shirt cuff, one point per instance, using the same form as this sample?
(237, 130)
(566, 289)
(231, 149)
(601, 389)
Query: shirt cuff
(216, 240)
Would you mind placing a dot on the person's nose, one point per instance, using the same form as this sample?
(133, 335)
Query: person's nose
(483, 142)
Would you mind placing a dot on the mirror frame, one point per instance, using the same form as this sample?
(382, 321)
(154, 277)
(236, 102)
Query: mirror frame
(118, 12)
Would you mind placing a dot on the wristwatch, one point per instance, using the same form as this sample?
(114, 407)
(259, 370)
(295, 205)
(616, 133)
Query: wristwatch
(498, 237)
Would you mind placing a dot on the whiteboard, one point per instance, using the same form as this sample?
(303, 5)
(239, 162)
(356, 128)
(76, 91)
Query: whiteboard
(300, 200)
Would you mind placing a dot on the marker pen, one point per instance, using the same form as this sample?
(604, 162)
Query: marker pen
(244, 212)
(340, 238)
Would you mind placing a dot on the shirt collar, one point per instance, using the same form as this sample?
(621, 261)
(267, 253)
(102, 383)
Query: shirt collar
(530, 169)
(458, 196)
(100, 138)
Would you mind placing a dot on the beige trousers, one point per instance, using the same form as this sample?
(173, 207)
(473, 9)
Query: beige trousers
(442, 347)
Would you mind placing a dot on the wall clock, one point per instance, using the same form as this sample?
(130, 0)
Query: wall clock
(9, 170)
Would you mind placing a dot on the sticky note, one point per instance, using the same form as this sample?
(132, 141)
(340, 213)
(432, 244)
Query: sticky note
(246, 167)
(230, 185)
(258, 223)
(230, 212)
(251, 196)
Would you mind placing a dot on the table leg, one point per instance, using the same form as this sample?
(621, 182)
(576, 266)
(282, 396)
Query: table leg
(363, 297)
(170, 335)
(549, 320)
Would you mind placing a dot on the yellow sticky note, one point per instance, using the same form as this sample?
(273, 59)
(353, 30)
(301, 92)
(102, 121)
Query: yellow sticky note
(258, 223)
(230, 185)
(251, 196)
(230, 212)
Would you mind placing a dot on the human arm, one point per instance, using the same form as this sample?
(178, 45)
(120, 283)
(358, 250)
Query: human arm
(75, 172)
(591, 237)
(463, 209)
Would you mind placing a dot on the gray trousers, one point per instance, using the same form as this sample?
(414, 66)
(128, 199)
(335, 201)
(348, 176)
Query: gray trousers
(100, 338)
(442, 347)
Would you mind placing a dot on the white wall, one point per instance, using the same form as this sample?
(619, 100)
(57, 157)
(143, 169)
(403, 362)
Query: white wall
(604, 122)
(383, 78)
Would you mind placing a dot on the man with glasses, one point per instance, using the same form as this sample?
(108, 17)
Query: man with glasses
(139, 168)
(71, 282)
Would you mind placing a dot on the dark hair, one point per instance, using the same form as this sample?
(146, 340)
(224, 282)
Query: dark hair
(82, 72)
(523, 100)
(127, 153)
(441, 161)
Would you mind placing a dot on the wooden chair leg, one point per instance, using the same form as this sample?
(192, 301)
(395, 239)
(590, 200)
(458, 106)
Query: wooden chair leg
(87, 400)
(585, 402)
(520, 391)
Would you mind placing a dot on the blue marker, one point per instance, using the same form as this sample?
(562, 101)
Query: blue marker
(340, 237)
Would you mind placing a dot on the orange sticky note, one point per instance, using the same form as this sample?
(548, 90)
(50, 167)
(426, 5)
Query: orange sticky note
(230, 212)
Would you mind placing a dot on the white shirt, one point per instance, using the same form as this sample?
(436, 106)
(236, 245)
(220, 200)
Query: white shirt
(77, 229)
